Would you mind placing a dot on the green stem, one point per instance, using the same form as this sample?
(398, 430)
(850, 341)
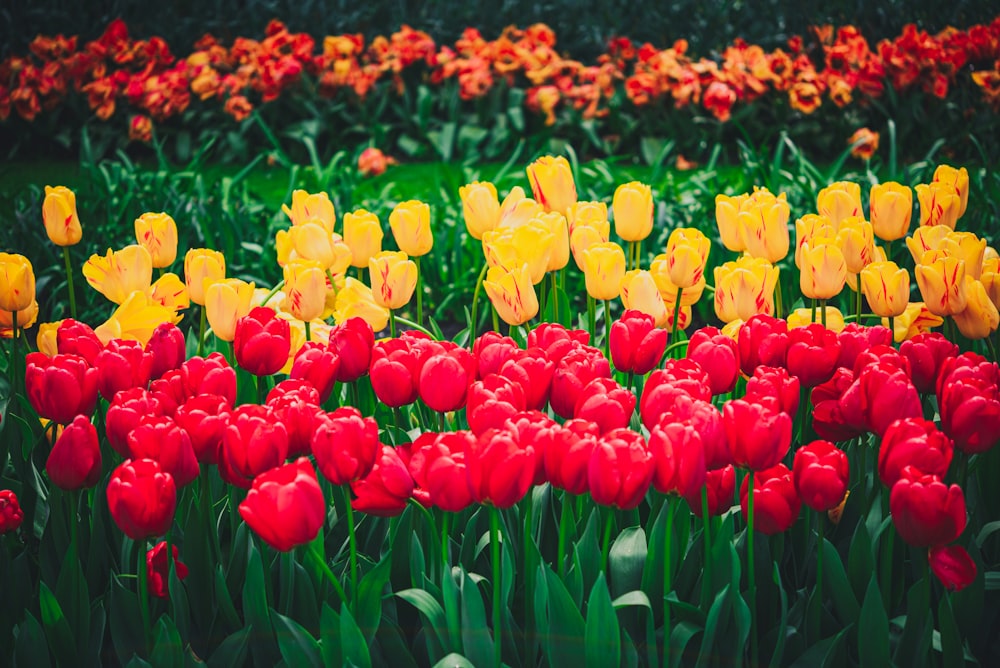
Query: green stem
(555, 296)
(778, 307)
(330, 577)
(352, 546)
(209, 515)
(563, 530)
(412, 325)
(278, 286)
(495, 554)
(473, 324)
(992, 348)
(892, 330)
(308, 326)
(69, 283)
(592, 317)
(496, 319)
(706, 538)
(607, 329)
(143, 593)
(822, 305)
(820, 528)
(392, 323)
(668, 535)
(420, 292)
(674, 328)
(15, 379)
(201, 330)
(355, 394)
(751, 573)
(813, 319)
(261, 395)
(445, 515)
(860, 297)
(609, 519)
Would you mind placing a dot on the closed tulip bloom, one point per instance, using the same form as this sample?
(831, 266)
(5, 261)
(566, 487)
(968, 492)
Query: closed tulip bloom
(480, 207)
(552, 183)
(311, 207)
(252, 443)
(969, 248)
(261, 342)
(959, 178)
(120, 273)
(776, 505)
(11, 514)
(161, 439)
(940, 204)
(312, 241)
(621, 469)
(395, 372)
(744, 288)
(393, 278)
(352, 340)
(226, 302)
(492, 401)
(202, 267)
(718, 355)
(952, 564)
(636, 343)
(588, 214)
(942, 285)
(318, 365)
(720, 485)
(17, 282)
(605, 403)
(533, 371)
(499, 467)
(345, 445)
(556, 340)
(665, 391)
(980, 317)
(77, 338)
(640, 293)
(158, 569)
(759, 437)
(356, 301)
(517, 209)
(925, 511)
(916, 319)
(890, 209)
(926, 239)
(926, 354)
(532, 243)
(125, 412)
(680, 459)
(157, 233)
(572, 373)
(763, 221)
(305, 290)
(727, 218)
(60, 387)
(824, 270)
(762, 340)
(821, 473)
(556, 224)
(586, 234)
(839, 200)
(887, 288)
(363, 235)
(491, 350)
(808, 227)
(437, 464)
(774, 388)
(46, 339)
(913, 442)
(812, 354)
(120, 366)
(567, 455)
(411, 227)
(512, 294)
(385, 491)
(687, 253)
(285, 506)
(445, 378)
(856, 240)
(295, 403)
(166, 348)
(604, 269)
(62, 223)
(969, 402)
(142, 498)
(204, 417)
(75, 459)
(632, 207)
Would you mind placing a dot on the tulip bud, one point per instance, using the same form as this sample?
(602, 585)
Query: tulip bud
(604, 269)
(385, 491)
(824, 270)
(744, 288)
(839, 201)
(887, 288)
(157, 233)
(285, 506)
(512, 294)
(959, 178)
(311, 207)
(411, 227)
(925, 511)
(727, 218)
(940, 204)
(17, 283)
(821, 473)
(142, 498)
(763, 221)
(952, 564)
(776, 504)
(632, 207)
(305, 289)
(942, 285)
(640, 293)
(687, 253)
(202, 267)
(393, 278)
(480, 207)
(62, 223)
(890, 208)
(11, 514)
(227, 301)
(75, 459)
(363, 235)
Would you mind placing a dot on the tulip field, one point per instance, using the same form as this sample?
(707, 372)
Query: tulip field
(550, 411)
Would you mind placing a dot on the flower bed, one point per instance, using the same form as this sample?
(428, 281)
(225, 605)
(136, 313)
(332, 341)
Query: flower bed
(560, 487)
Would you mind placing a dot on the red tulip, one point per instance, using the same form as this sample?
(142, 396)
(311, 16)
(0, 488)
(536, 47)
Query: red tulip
(720, 485)
(775, 504)
(762, 340)
(707, 421)
(829, 418)
(887, 394)
(680, 458)
(536, 428)
(821, 473)
(444, 379)
(621, 469)
(636, 343)
(533, 371)
(395, 372)
(605, 403)
(252, 443)
(285, 506)
(204, 417)
(345, 445)
(386, 488)
(167, 348)
(157, 567)
(887, 356)
(120, 366)
(812, 354)
(855, 339)
(77, 338)
(759, 437)
(159, 438)
(926, 512)
(776, 388)
(263, 341)
(500, 469)
(927, 353)
(142, 498)
(317, 364)
(492, 401)
(295, 403)
(352, 341)
(491, 350)
(567, 453)
(198, 375)
(913, 442)
(968, 392)
(664, 386)
(124, 413)
(718, 355)
(576, 369)
(75, 460)
(953, 566)
(11, 514)
(556, 340)
(437, 464)
(60, 387)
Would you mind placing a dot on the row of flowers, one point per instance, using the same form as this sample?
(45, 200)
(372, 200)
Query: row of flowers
(152, 84)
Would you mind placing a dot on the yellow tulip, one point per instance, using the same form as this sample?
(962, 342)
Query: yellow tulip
(809, 227)
(157, 233)
(512, 294)
(517, 209)
(201, 264)
(587, 213)
(25, 318)
(46, 340)
(660, 269)
(839, 200)
(305, 289)
(763, 222)
(632, 206)
(312, 242)
(265, 297)
(135, 319)
(603, 270)
(990, 279)
(62, 223)
(942, 285)
(980, 317)
(639, 293)
(355, 300)
(284, 247)
(824, 270)
(966, 246)
(687, 253)
(856, 240)
(555, 223)
(887, 288)
(890, 207)
(393, 278)
(308, 207)
(170, 292)
(959, 178)
(410, 222)
(17, 282)
(552, 183)
(801, 317)
(744, 288)
(532, 243)
(926, 239)
(916, 319)
(727, 210)
(480, 207)
(120, 273)
(990, 254)
(227, 301)
(940, 204)
(585, 234)
(363, 235)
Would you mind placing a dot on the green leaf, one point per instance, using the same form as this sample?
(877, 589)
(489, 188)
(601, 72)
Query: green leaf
(126, 622)
(951, 640)
(30, 648)
(297, 646)
(782, 635)
(329, 631)
(232, 651)
(822, 653)
(626, 560)
(477, 641)
(167, 646)
(353, 641)
(914, 644)
(454, 660)
(632, 598)
(74, 597)
(720, 607)
(873, 639)
(452, 610)
(370, 596)
(56, 627)
(602, 633)
(257, 612)
(564, 639)
(437, 627)
(860, 564)
(835, 582)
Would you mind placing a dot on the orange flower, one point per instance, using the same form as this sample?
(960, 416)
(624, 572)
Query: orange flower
(940, 204)
(959, 178)
(372, 162)
(942, 284)
(157, 233)
(890, 207)
(839, 200)
(552, 183)
(863, 143)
